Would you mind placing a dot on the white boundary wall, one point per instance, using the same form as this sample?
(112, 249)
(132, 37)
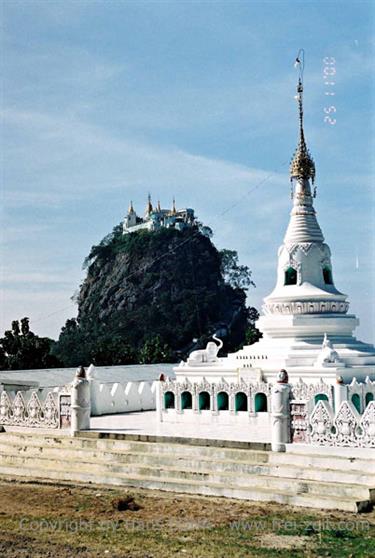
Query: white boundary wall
(115, 397)
(106, 397)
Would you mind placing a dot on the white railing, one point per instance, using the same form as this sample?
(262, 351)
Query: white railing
(339, 415)
(345, 428)
(28, 409)
(228, 390)
(319, 413)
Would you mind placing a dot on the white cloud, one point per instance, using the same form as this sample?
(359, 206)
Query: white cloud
(84, 160)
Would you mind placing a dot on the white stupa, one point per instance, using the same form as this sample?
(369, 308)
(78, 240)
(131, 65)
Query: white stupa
(305, 323)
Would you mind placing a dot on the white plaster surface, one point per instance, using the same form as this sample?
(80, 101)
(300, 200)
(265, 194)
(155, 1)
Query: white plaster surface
(109, 398)
(146, 423)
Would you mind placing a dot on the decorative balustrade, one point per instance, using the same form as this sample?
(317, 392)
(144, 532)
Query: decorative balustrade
(29, 410)
(361, 393)
(341, 415)
(346, 428)
(319, 413)
(222, 396)
(306, 392)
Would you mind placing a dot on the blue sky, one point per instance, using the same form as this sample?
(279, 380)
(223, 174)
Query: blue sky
(104, 101)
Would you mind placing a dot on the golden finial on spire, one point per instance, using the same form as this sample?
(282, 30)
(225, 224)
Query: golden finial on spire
(149, 208)
(131, 208)
(302, 164)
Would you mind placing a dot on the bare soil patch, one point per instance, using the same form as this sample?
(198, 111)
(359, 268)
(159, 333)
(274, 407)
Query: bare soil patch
(63, 521)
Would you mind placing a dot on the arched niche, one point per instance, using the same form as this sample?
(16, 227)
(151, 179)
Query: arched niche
(260, 403)
(169, 400)
(186, 400)
(290, 276)
(204, 401)
(240, 402)
(222, 401)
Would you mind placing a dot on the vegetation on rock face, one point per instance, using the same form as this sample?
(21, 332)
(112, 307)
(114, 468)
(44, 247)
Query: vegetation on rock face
(153, 296)
(21, 349)
(148, 297)
(238, 276)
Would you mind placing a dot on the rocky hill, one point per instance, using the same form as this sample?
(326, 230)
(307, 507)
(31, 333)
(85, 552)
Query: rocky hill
(148, 295)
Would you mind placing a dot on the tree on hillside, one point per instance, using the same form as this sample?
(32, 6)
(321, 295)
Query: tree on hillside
(78, 346)
(236, 275)
(72, 348)
(154, 351)
(21, 349)
(252, 334)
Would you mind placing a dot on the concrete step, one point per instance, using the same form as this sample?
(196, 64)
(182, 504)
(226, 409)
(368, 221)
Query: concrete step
(344, 451)
(250, 466)
(262, 481)
(126, 446)
(313, 480)
(208, 475)
(122, 456)
(57, 440)
(303, 455)
(305, 459)
(366, 465)
(196, 487)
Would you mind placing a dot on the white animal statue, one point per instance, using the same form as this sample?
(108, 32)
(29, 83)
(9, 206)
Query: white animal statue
(327, 356)
(207, 355)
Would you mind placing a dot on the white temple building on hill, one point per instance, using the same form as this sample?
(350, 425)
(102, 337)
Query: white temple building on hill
(306, 327)
(156, 218)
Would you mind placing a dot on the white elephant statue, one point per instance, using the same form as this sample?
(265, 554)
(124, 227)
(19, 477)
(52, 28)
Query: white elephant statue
(207, 355)
(328, 356)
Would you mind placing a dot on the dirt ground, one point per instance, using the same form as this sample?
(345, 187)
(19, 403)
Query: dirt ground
(45, 520)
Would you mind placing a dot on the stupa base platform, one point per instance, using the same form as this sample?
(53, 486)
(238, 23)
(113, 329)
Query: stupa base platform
(304, 356)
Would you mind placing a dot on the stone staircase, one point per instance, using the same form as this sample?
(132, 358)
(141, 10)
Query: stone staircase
(236, 470)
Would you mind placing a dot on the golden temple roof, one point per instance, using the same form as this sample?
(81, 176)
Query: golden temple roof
(302, 165)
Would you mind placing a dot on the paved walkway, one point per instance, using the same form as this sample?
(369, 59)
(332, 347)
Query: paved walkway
(146, 423)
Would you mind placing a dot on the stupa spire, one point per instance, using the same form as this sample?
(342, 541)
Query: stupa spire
(149, 208)
(303, 225)
(302, 165)
(174, 210)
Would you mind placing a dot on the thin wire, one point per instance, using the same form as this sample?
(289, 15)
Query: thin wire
(183, 242)
(52, 313)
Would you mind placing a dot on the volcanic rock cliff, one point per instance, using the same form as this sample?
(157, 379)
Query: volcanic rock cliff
(164, 288)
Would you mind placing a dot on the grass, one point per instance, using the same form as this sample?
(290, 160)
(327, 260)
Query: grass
(44, 520)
